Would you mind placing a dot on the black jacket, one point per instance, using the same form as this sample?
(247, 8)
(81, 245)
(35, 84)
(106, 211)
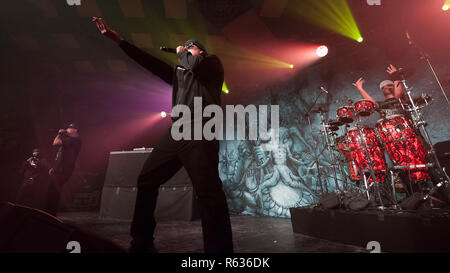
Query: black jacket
(199, 76)
(67, 155)
(41, 168)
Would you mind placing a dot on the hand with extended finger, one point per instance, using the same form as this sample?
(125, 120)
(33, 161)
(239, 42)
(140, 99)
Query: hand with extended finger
(359, 83)
(105, 30)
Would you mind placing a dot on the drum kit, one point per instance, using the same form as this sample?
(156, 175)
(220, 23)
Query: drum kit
(401, 135)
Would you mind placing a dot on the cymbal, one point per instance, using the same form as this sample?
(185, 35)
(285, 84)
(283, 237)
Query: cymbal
(333, 122)
(346, 119)
(332, 128)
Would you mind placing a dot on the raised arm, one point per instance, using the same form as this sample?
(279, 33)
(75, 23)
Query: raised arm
(188, 61)
(202, 65)
(399, 91)
(359, 85)
(58, 139)
(154, 65)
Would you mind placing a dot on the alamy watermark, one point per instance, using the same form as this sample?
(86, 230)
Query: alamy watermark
(234, 114)
(73, 2)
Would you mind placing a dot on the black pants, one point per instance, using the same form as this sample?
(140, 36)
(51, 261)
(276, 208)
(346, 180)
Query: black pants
(33, 192)
(200, 159)
(54, 191)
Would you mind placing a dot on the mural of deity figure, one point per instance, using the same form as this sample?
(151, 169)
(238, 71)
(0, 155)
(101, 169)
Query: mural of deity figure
(270, 175)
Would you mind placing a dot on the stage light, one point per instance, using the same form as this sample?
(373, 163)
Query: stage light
(334, 15)
(163, 114)
(446, 7)
(322, 51)
(360, 39)
(225, 88)
(291, 66)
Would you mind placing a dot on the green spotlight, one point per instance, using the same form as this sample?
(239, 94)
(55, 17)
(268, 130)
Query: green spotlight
(334, 15)
(225, 88)
(360, 39)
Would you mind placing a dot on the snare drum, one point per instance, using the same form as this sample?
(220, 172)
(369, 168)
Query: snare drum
(364, 108)
(345, 114)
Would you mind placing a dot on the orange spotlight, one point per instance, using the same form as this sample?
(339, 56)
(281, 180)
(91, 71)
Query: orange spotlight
(322, 51)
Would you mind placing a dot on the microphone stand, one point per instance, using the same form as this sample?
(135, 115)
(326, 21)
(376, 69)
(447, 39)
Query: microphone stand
(327, 140)
(306, 115)
(424, 55)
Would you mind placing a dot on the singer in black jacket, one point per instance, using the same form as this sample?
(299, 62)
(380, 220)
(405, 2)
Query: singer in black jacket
(199, 75)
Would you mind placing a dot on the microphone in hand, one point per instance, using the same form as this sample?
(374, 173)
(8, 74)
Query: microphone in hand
(167, 49)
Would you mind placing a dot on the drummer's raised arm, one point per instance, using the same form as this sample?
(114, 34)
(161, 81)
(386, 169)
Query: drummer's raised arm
(399, 91)
(359, 85)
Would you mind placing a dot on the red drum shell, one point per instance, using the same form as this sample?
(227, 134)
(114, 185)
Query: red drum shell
(403, 145)
(364, 108)
(374, 150)
(345, 114)
(345, 151)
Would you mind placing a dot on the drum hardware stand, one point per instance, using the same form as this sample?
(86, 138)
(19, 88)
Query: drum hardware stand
(344, 176)
(367, 186)
(428, 165)
(394, 192)
(342, 169)
(369, 160)
(439, 185)
(366, 191)
(420, 123)
(333, 159)
(345, 133)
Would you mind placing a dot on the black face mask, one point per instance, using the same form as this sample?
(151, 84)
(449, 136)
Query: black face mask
(190, 43)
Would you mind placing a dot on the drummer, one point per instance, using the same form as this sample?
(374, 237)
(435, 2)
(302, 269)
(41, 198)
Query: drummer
(392, 91)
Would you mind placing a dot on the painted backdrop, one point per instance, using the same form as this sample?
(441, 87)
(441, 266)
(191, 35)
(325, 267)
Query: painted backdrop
(296, 172)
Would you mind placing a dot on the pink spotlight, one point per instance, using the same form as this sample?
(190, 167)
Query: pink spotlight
(163, 114)
(322, 51)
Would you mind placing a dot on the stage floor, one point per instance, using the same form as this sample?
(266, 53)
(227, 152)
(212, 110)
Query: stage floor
(251, 234)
